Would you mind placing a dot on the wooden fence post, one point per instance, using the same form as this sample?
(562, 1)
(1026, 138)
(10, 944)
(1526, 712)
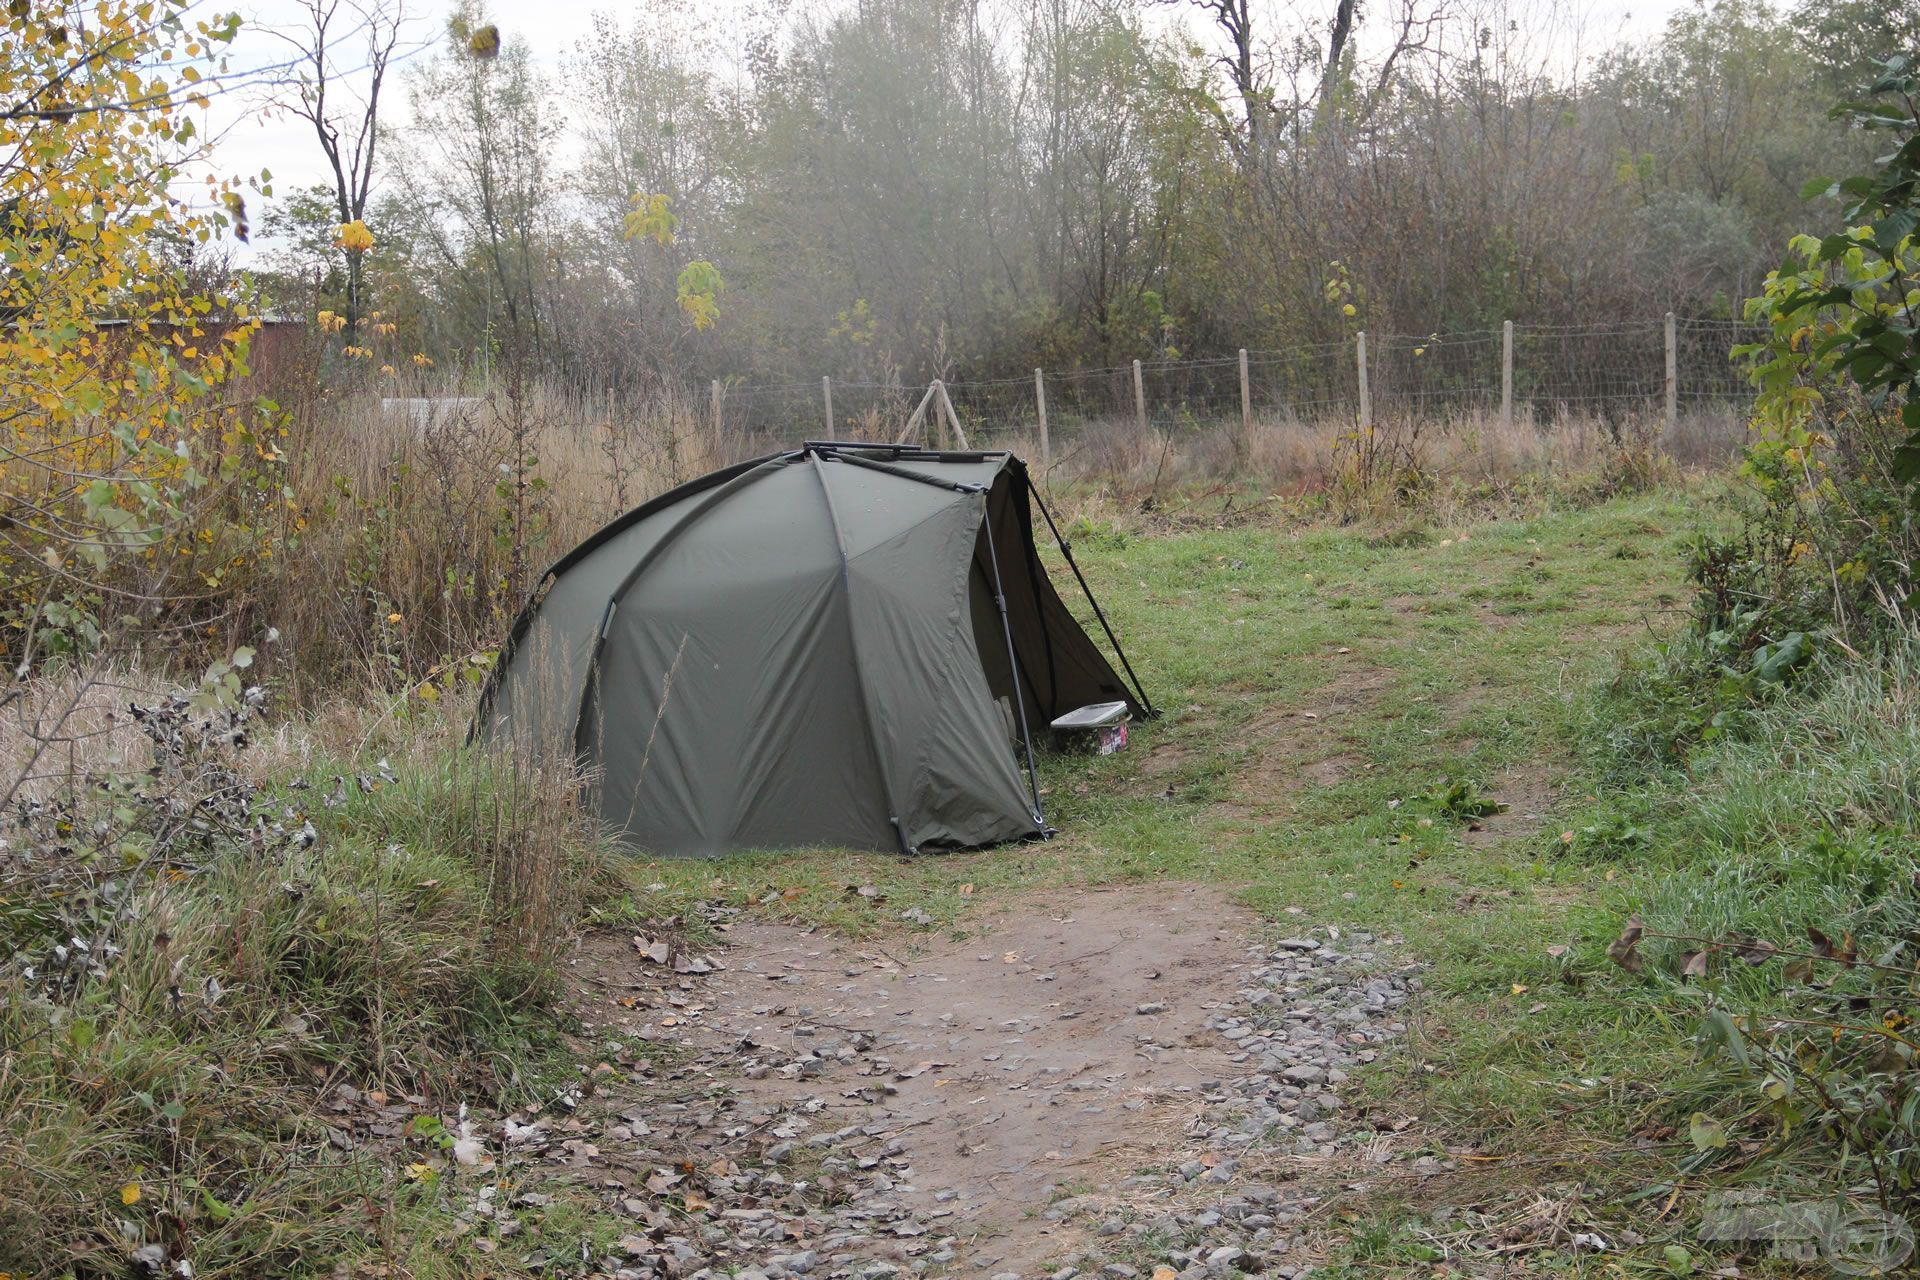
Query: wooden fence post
(826, 396)
(951, 418)
(1673, 376)
(1506, 374)
(1243, 448)
(917, 421)
(1366, 396)
(716, 420)
(1139, 398)
(1040, 403)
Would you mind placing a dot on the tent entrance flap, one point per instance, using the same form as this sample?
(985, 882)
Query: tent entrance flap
(1145, 704)
(1055, 666)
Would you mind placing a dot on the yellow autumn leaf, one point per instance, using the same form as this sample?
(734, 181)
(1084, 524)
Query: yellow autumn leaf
(130, 1194)
(354, 237)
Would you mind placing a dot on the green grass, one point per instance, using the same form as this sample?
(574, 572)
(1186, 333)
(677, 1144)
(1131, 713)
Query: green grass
(1463, 659)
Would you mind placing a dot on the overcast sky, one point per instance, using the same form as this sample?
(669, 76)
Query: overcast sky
(253, 136)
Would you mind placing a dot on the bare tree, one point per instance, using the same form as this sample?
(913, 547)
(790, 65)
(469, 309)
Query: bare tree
(345, 48)
(1234, 18)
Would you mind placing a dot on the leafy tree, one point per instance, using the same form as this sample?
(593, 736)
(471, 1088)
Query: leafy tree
(1842, 310)
(112, 426)
(1849, 41)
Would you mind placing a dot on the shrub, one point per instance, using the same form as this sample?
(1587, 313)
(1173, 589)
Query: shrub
(1836, 447)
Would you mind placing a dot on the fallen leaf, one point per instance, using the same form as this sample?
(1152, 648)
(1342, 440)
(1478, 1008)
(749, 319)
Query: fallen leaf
(653, 949)
(471, 1152)
(918, 1069)
(1622, 949)
(1706, 1133)
(1693, 964)
(130, 1194)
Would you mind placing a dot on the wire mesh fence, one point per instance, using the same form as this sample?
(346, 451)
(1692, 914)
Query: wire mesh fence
(1539, 375)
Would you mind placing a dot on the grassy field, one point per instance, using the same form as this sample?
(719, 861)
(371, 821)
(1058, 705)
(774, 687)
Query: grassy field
(1340, 707)
(1346, 711)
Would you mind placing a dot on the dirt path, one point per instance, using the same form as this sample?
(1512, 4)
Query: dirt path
(1003, 1104)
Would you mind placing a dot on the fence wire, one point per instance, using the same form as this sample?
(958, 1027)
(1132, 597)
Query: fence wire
(1611, 372)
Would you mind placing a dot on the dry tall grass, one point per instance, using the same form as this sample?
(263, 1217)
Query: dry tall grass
(1305, 457)
(421, 522)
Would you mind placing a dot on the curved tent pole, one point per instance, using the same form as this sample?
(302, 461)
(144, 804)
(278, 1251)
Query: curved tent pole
(1066, 549)
(855, 460)
(1013, 663)
(853, 648)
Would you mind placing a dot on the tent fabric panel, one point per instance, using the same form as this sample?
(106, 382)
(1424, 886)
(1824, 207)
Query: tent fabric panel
(871, 506)
(936, 727)
(535, 695)
(731, 713)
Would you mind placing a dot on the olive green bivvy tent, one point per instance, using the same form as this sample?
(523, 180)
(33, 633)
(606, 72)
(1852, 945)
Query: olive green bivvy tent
(842, 645)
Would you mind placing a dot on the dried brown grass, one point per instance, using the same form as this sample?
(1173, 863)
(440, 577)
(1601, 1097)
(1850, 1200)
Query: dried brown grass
(1297, 457)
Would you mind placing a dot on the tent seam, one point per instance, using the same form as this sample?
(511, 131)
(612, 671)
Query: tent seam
(859, 667)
